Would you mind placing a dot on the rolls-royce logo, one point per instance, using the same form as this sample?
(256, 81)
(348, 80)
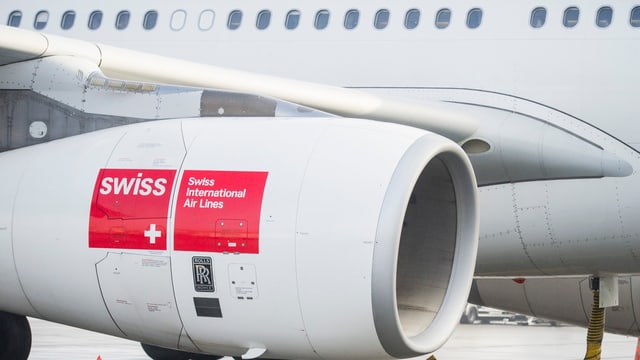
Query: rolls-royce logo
(203, 274)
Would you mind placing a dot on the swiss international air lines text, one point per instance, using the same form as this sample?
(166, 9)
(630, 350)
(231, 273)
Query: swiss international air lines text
(216, 211)
(219, 211)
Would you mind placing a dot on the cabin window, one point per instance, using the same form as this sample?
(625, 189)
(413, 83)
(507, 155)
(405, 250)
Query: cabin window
(571, 17)
(205, 22)
(351, 19)
(635, 17)
(538, 17)
(68, 19)
(122, 20)
(14, 18)
(381, 19)
(263, 20)
(178, 20)
(95, 20)
(292, 20)
(42, 18)
(443, 18)
(604, 16)
(235, 19)
(322, 19)
(474, 18)
(150, 20)
(412, 19)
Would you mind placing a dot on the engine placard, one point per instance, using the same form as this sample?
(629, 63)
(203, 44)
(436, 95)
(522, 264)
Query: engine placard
(129, 209)
(219, 211)
(203, 274)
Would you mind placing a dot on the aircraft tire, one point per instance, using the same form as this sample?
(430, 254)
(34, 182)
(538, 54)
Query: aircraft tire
(464, 319)
(158, 353)
(473, 316)
(15, 337)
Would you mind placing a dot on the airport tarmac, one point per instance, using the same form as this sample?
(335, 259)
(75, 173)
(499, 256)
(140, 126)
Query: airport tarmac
(477, 342)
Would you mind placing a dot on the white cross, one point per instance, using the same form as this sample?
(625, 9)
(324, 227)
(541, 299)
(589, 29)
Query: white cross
(152, 234)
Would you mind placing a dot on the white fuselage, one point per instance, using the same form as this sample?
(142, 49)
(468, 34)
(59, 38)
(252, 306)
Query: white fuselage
(581, 78)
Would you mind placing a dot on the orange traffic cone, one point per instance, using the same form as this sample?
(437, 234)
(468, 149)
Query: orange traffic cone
(638, 350)
(99, 357)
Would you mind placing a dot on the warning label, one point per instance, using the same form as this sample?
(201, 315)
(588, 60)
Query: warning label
(129, 209)
(219, 211)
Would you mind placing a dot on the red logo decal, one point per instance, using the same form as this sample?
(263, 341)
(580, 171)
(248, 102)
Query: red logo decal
(219, 211)
(129, 209)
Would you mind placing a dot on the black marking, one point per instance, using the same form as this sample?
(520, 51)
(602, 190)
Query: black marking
(207, 307)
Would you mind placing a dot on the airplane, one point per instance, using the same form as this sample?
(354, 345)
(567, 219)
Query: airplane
(316, 181)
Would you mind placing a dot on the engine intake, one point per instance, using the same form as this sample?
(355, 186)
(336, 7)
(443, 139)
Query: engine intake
(418, 284)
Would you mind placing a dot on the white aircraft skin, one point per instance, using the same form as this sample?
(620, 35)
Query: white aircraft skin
(553, 140)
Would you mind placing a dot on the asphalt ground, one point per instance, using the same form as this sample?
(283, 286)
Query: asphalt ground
(494, 341)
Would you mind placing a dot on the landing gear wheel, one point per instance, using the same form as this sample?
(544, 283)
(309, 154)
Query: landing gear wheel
(158, 353)
(473, 316)
(469, 318)
(15, 337)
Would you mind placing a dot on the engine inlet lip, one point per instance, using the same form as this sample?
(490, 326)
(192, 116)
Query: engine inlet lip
(384, 273)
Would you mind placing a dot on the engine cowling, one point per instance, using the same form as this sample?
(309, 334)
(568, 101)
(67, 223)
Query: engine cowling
(287, 238)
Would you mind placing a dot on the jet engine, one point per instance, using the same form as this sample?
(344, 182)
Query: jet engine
(296, 238)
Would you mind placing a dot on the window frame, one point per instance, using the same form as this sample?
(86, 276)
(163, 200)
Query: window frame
(64, 22)
(173, 21)
(602, 11)
(150, 19)
(408, 17)
(535, 20)
(234, 20)
(15, 14)
(213, 18)
(316, 20)
(470, 17)
(260, 24)
(127, 15)
(95, 20)
(441, 24)
(634, 17)
(351, 19)
(381, 24)
(38, 22)
(292, 19)
(567, 23)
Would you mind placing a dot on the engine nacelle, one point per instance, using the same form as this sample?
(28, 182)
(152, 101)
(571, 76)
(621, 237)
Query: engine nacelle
(288, 238)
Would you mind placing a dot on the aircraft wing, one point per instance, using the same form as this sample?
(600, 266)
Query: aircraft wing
(19, 45)
(500, 151)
